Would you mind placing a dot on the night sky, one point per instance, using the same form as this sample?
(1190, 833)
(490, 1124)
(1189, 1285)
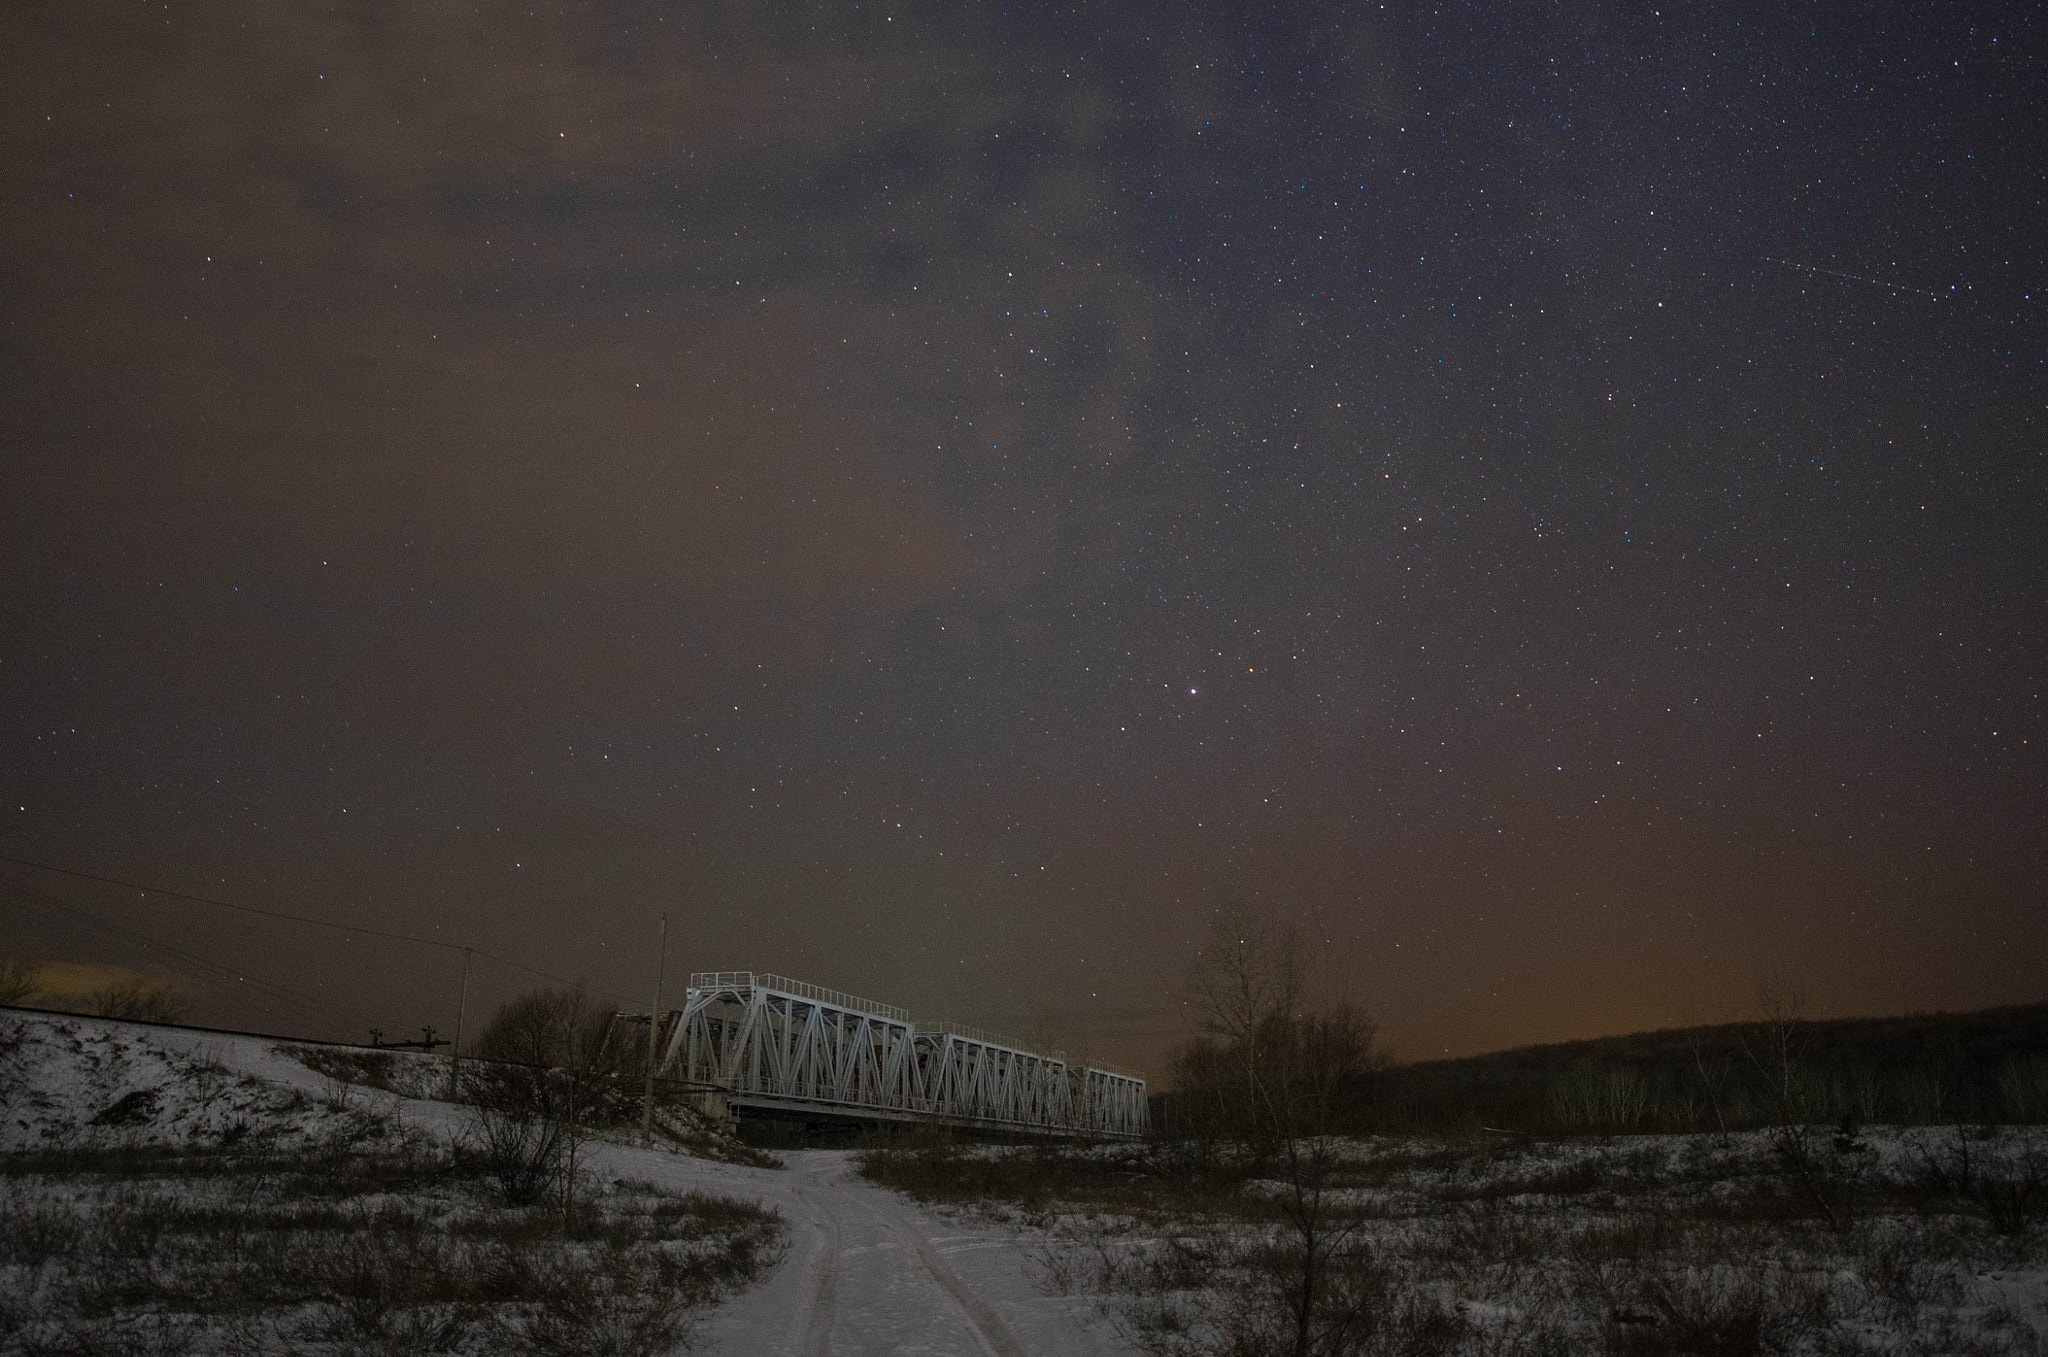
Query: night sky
(943, 501)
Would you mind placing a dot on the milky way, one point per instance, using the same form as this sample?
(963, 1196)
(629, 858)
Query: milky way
(941, 501)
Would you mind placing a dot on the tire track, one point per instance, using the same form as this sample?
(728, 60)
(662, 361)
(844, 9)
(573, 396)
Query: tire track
(999, 1339)
(824, 1291)
(919, 1250)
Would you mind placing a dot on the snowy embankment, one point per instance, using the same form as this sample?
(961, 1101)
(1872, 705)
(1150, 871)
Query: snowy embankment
(174, 1191)
(78, 1083)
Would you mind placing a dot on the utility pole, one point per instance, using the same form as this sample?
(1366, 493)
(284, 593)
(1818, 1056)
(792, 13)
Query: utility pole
(654, 1032)
(455, 1048)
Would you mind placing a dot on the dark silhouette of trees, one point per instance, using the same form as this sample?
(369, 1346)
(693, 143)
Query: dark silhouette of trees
(547, 1076)
(1272, 1076)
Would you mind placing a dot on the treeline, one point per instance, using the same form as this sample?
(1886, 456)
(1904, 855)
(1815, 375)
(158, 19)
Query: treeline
(1985, 1067)
(22, 984)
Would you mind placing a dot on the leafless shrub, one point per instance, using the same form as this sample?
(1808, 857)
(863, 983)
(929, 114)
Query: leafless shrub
(1492, 1248)
(1966, 1169)
(524, 1154)
(585, 1315)
(560, 1029)
(935, 1167)
(1945, 1167)
(385, 1278)
(1264, 1087)
(209, 1250)
(2013, 1202)
(1817, 1172)
(372, 1069)
(549, 1076)
(1898, 1275)
(1714, 1295)
(1219, 1293)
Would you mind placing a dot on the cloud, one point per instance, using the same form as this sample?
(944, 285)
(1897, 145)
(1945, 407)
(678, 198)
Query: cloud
(638, 306)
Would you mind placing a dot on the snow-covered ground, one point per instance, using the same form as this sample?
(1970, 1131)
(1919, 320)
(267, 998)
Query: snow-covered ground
(1631, 1244)
(865, 1272)
(1872, 1240)
(71, 1082)
(870, 1273)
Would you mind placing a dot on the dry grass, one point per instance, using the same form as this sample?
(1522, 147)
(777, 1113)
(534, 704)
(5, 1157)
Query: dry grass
(406, 1073)
(617, 1110)
(386, 1244)
(1862, 1243)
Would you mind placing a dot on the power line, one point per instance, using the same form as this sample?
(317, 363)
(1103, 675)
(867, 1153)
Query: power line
(224, 904)
(292, 918)
(266, 989)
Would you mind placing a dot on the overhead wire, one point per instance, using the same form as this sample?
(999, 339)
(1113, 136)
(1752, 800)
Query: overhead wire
(293, 918)
(267, 989)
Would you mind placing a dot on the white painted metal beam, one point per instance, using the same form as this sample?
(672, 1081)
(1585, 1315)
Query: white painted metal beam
(776, 1042)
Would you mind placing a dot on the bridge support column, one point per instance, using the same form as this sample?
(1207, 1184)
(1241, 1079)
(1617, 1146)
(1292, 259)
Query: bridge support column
(710, 1104)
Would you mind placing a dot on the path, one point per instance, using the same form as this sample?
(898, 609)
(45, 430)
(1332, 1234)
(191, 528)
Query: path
(868, 1273)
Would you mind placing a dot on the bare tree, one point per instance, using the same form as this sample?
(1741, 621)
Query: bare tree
(20, 981)
(1275, 1075)
(140, 1000)
(1775, 1052)
(1245, 975)
(1316, 1060)
(1775, 1048)
(548, 1076)
(1243, 987)
(1711, 1077)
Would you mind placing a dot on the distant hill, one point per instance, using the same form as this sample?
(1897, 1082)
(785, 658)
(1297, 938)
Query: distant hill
(1985, 1066)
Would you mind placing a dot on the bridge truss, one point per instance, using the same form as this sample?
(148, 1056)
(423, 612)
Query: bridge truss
(775, 1044)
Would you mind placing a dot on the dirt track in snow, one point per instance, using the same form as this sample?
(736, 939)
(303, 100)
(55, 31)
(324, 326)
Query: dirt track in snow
(868, 1273)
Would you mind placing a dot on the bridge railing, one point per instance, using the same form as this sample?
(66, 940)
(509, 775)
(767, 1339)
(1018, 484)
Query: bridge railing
(791, 1044)
(961, 1029)
(703, 980)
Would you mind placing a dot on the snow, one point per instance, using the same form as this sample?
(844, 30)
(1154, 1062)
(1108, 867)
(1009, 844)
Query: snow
(74, 1082)
(866, 1273)
(1527, 1240)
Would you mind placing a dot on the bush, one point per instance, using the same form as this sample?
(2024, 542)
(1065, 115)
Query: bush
(548, 1076)
(525, 1156)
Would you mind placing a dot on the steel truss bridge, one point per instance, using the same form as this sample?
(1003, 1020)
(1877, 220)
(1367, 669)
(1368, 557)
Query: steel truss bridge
(772, 1044)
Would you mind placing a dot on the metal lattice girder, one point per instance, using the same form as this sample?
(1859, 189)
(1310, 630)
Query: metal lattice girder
(772, 1042)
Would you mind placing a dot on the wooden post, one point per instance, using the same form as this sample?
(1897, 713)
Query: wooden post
(455, 1047)
(654, 1033)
